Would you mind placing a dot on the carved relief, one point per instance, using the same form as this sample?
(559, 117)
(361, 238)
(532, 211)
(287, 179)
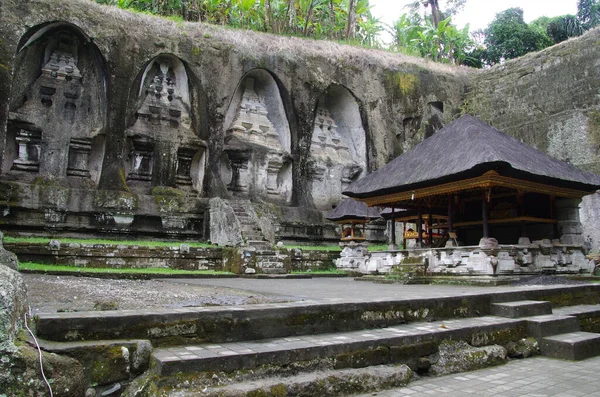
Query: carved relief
(61, 110)
(257, 160)
(164, 145)
(334, 163)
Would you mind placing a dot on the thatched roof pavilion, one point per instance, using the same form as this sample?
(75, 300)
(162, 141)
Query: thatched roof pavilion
(352, 212)
(469, 161)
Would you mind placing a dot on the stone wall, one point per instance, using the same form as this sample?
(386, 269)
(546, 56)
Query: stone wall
(549, 100)
(88, 104)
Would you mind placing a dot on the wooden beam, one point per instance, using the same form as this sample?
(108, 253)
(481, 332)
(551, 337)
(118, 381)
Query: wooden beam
(487, 180)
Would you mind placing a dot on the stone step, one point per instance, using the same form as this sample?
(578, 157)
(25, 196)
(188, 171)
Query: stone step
(347, 349)
(551, 324)
(588, 316)
(524, 308)
(322, 383)
(214, 324)
(571, 346)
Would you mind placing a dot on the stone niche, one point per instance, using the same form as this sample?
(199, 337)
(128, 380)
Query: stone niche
(338, 151)
(164, 150)
(57, 109)
(256, 160)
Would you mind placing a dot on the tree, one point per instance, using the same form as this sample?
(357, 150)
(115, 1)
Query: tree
(444, 43)
(562, 27)
(437, 14)
(588, 13)
(508, 37)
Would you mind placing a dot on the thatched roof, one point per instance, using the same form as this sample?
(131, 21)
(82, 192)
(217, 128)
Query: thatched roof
(350, 209)
(466, 148)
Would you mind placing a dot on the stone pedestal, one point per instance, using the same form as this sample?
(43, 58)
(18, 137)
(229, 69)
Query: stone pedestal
(79, 153)
(141, 160)
(569, 225)
(239, 171)
(185, 157)
(29, 150)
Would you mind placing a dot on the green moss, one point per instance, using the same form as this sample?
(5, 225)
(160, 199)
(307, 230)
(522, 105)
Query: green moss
(403, 83)
(51, 193)
(257, 393)
(232, 260)
(168, 199)
(196, 50)
(114, 199)
(412, 260)
(279, 390)
(10, 193)
(363, 358)
(123, 179)
(108, 366)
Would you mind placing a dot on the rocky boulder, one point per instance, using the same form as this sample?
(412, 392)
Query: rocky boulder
(225, 229)
(459, 356)
(13, 304)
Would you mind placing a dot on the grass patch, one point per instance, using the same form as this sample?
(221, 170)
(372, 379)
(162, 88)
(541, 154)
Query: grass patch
(325, 271)
(314, 247)
(141, 243)
(378, 247)
(32, 266)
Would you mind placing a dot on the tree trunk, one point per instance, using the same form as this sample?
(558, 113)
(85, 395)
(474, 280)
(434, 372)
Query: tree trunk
(332, 31)
(268, 16)
(308, 16)
(288, 14)
(351, 19)
(435, 12)
(184, 13)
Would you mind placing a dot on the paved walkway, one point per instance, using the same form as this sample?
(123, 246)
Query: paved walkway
(346, 288)
(532, 377)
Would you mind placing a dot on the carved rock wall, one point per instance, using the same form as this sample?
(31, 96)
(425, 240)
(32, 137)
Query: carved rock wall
(551, 101)
(387, 87)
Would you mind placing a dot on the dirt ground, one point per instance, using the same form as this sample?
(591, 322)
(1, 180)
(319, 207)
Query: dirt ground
(48, 294)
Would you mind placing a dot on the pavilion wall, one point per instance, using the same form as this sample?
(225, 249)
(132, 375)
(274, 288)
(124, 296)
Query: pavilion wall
(549, 100)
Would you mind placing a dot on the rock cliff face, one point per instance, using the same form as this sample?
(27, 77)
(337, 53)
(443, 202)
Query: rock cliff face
(97, 99)
(123, 123)
(549, 100)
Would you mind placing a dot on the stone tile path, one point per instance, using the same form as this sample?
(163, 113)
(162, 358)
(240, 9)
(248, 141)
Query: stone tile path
(204, 357)
(532, 377)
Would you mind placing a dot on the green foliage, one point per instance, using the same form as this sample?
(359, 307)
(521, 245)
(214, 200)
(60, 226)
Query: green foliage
(441, 42)
(314, 247)
(508, 37)
(349, 20)
(140, 243)
(588, 13)
(562, 27)
(38, 267)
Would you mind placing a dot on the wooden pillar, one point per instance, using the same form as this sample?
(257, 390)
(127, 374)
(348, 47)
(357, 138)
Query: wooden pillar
(429, 229)
(419, 225)
(393, 226)
(521, 199)
(450, 210)
(484, 215)
(403, 235)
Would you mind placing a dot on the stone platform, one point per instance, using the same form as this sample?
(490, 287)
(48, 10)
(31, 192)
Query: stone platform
(330, 338)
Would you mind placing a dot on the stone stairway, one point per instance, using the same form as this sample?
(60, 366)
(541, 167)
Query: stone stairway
(251, 232)
(559, 335)
(259, 254)
(329, 348)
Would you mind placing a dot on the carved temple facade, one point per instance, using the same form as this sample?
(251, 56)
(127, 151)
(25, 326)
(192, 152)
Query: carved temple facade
(101, 133)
